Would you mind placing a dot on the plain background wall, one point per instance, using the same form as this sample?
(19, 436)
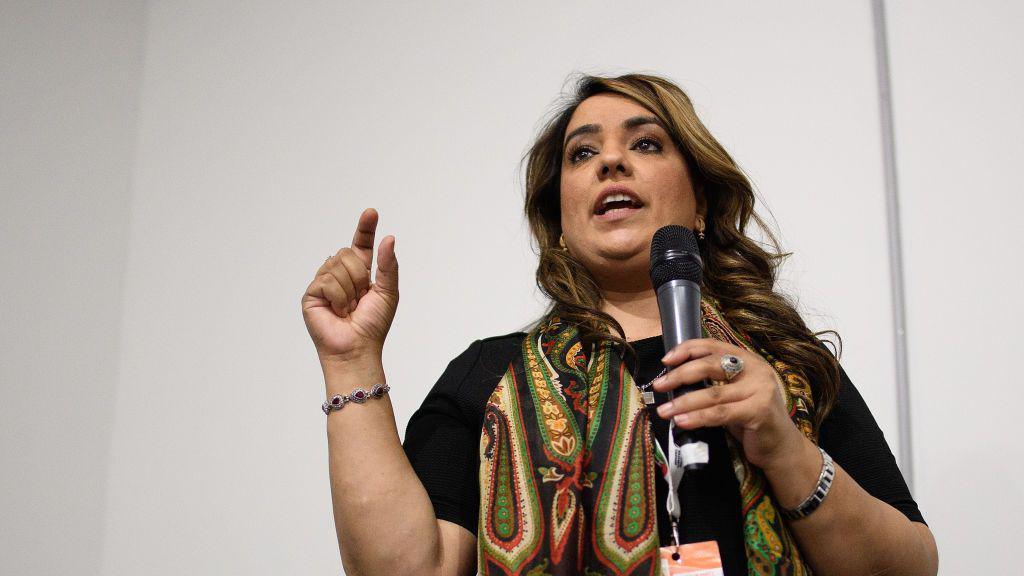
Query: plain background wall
(958, 100)
(69, 93)
(196, 162)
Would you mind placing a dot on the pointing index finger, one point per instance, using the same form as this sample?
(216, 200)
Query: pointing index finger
(362, 240)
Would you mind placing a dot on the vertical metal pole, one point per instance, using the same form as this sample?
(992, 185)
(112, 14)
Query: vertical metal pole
(906, 459)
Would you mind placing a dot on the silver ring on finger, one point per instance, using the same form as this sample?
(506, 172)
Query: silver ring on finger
(732, 365)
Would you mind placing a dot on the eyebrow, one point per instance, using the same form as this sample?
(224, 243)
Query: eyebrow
(628, 124)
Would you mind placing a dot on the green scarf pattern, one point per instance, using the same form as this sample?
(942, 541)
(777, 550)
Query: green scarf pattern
(567, 464)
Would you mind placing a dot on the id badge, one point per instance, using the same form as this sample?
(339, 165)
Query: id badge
(696, 559)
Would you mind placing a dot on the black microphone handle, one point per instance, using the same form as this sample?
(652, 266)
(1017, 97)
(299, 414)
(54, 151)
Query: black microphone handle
(679, 306)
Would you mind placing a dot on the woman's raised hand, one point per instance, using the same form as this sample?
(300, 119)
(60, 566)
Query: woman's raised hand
(346, 314)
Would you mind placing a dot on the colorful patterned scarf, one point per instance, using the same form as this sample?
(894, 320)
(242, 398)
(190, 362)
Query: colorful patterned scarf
(567, 464)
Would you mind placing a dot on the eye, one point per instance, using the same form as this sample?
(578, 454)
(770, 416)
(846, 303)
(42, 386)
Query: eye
(653, 144)
(575, 151)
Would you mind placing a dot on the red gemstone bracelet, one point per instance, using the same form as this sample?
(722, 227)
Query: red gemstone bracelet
(337, 402)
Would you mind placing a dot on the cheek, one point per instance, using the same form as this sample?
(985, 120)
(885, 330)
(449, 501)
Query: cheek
(572, 201)
(683, 197)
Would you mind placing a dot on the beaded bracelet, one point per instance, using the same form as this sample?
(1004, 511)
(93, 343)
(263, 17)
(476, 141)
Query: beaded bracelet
(337, 402)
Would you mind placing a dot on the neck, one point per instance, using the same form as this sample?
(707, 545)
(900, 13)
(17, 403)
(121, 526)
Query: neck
(636, 311)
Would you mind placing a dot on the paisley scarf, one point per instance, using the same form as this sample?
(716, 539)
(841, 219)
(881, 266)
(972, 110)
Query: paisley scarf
(567, 464)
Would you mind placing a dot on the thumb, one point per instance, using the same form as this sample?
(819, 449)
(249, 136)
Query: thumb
(386, 278)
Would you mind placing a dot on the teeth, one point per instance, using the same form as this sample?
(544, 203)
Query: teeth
(616, 197)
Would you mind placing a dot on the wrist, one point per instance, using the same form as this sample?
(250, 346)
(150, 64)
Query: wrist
(369, 356)
(342, 376)
(821, 489)
(794, 473)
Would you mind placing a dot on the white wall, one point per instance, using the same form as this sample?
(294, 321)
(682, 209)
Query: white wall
(958, 91)
(69, 81)
(262, 130)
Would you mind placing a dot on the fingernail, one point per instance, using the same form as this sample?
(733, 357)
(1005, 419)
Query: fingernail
(682, 418)
(664, 408)
(657, 381)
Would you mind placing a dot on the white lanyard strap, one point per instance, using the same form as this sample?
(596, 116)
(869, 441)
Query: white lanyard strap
(682, 455)
(689, 454)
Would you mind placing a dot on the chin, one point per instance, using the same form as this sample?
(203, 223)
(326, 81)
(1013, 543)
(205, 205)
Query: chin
(624, 247)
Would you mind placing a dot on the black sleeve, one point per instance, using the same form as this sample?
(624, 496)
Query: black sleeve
(852, 437)
(442, 442)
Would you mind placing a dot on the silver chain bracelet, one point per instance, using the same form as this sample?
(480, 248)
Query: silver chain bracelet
(811, 503)
(359, 395)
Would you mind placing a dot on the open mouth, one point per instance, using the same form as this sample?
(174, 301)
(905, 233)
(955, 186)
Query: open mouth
(617, 204)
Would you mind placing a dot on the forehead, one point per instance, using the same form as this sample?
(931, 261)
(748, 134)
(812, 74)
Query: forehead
(608, 110)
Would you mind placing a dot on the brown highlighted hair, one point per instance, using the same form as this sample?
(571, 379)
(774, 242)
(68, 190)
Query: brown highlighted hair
(738, 272)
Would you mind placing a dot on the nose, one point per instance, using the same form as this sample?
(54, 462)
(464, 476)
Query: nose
(612, 160)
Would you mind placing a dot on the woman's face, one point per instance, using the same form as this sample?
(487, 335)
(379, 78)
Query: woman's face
(616, 146)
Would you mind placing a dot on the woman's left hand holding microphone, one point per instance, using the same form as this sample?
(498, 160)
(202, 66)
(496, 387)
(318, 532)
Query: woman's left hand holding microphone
(750, 406)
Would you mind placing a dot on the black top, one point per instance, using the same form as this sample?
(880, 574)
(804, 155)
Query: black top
(443, 437)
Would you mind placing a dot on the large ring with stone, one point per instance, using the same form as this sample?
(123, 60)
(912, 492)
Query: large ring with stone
(732, 366)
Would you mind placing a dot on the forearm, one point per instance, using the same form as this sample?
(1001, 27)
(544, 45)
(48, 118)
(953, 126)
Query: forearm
(383, 516)
(851, 532)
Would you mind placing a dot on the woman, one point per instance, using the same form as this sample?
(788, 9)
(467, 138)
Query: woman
(534, 452)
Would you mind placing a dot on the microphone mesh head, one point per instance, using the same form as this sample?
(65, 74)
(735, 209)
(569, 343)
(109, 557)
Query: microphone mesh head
(675, 256)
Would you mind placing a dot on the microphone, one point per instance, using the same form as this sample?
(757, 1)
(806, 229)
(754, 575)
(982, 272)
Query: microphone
(676, 269)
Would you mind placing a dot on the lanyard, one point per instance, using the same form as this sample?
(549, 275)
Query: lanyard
(689, 453)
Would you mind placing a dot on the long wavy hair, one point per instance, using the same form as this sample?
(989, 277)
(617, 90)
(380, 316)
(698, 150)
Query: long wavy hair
(739, 272)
